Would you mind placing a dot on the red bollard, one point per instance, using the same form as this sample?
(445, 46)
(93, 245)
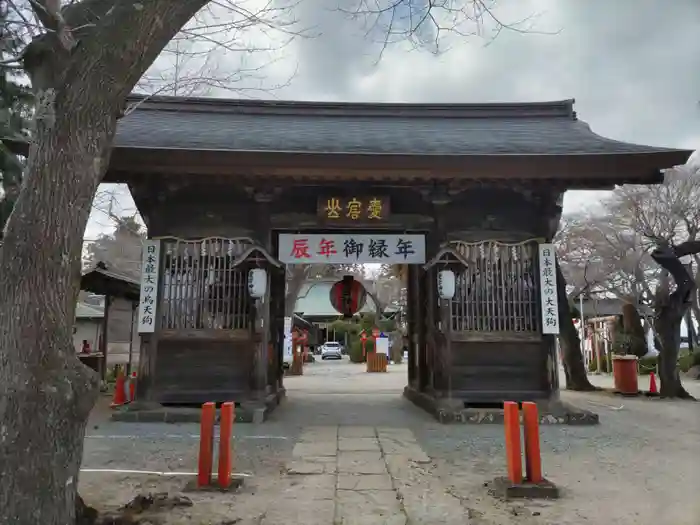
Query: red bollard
(533, 456)
(511, 422)
(225, 434)
(206, 445)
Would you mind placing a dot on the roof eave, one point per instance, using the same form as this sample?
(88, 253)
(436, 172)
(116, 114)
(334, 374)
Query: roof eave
(582, 169)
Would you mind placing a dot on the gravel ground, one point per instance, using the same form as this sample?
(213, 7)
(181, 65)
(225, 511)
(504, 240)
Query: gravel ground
(639, 466)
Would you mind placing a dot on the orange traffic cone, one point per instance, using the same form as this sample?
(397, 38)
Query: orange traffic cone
(132, 386)
(119, 391)
(652, 384)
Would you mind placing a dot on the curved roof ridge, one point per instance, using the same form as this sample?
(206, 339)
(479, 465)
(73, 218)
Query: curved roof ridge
(586, 127)
(544, 109)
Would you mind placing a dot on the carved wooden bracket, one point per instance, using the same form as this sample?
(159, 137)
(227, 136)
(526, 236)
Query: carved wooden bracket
(447, 256)
(258, 254)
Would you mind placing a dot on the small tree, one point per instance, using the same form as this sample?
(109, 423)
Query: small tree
(121, 249)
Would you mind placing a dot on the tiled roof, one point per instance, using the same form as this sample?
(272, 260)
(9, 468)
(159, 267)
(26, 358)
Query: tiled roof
(408, 129)
(84, 311)
(314, 300)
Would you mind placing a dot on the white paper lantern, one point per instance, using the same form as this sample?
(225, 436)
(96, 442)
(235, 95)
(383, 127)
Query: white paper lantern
(446, 284)
(257, 282)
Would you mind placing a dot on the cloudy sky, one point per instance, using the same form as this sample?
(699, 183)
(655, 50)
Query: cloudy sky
(633, 66)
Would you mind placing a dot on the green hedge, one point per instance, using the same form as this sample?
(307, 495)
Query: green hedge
(352, 328)
(593, 365)
(647, 365)
(355, 352)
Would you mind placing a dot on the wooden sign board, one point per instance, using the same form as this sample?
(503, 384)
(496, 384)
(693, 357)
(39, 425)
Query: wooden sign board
(357, 209)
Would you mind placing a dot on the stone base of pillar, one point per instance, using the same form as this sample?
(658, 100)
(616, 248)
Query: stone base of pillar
(456, 410)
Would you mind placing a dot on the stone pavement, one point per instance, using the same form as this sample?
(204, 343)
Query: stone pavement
(351, 475)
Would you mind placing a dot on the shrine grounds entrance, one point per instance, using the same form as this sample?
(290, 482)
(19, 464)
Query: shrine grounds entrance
(480, 184)
(380, 262)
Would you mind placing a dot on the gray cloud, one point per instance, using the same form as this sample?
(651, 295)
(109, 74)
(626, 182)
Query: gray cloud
(633, 66)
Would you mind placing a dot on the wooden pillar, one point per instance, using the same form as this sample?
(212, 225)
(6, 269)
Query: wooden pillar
(134, 313)
(439, 311)
(424, 353)
(445, 368)
(262, 333)
(413, 329)
(263, 326)
(148, 351)
(105, 337)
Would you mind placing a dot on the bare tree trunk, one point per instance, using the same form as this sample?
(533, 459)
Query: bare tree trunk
(295, 283)
(670, 309)
(81, 79)
(46, 392)
(574, 367)
(632, 323)
(377, 303)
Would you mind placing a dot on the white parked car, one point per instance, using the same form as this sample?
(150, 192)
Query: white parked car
(331, 350)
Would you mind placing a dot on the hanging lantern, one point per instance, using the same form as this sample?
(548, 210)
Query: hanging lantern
(446, 284)
(348, 296)
(257, 283)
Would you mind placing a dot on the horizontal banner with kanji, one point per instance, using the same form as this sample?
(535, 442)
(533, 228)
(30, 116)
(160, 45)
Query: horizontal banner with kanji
(346, 248)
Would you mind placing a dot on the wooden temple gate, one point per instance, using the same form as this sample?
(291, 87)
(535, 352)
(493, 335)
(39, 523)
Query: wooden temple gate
(219, 183)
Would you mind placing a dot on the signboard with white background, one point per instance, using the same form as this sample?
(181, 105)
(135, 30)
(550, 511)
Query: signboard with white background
(381, 345)
(548, 289)
(150, 265)
(288, 336)
(348, 248)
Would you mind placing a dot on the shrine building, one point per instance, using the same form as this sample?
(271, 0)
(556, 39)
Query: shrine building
(472, 191)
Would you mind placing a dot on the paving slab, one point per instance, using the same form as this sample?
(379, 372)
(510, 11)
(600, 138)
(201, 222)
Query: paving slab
(361, 463)
(402, 439)
(365, 482)
(311, 488)
(425, 498)
(322, 448)
(312, 465)
(359, 444)
(405, 448)
(379, 507)
(356, 432)
(287, 511)
(395, 432)
(329, 433)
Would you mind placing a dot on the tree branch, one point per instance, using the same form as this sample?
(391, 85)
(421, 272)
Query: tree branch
(667, 257)
(49, 14)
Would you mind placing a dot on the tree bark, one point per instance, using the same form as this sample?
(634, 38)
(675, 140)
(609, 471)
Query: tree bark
(294, 285)
(670, 310)
(46, 394)
(574, 367)
(633, 329)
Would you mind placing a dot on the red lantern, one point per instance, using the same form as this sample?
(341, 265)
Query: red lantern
(348, 296)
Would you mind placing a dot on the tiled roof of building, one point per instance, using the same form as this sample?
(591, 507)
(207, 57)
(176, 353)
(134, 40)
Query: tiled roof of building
(543, 128)
(84, 311)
